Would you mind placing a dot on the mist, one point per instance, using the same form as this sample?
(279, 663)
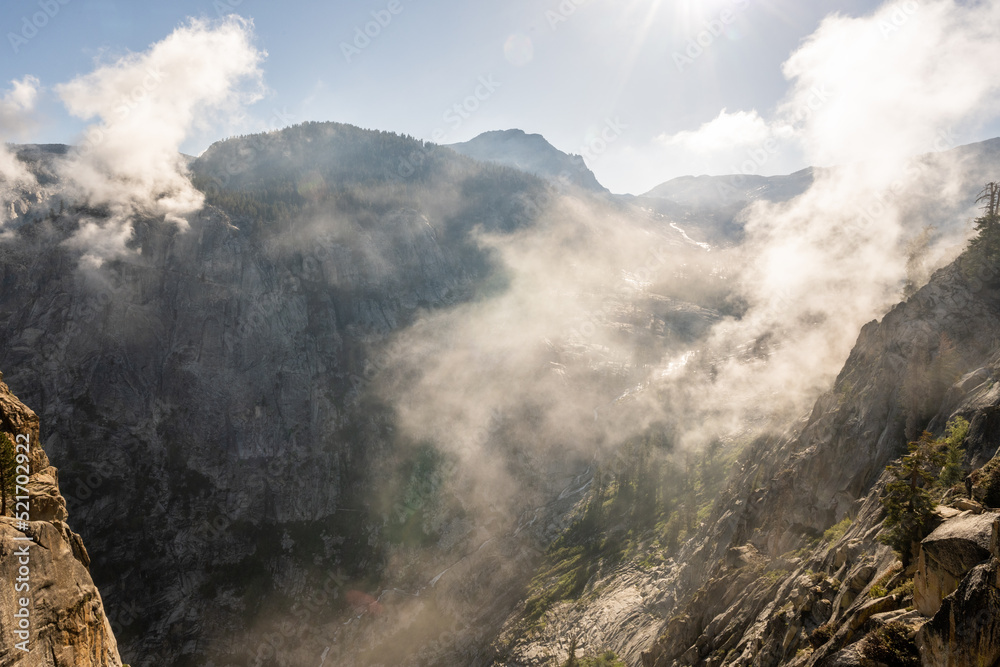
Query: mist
(16, 106)
(865, 96)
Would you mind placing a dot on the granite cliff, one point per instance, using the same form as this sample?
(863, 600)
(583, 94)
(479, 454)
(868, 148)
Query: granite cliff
(63, 621)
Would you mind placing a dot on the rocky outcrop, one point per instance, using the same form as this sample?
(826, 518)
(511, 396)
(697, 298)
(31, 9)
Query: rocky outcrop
(51, 614)
(947, 555)
(965, 632)
(832, 466)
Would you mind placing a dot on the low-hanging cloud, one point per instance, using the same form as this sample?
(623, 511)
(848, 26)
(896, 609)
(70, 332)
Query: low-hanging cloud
(146, 105)
(16, 107)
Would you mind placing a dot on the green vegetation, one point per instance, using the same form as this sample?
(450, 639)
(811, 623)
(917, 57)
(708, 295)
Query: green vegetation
(418, 481)
(8, 473)
(908, 500)
(986, 483)
(360, 173)
(986, 246)
(880, 588)
(822, 634)
(904, 589)
(952, 472)
(833, 534)
(890, 645)
(647, 501)
(606, 659)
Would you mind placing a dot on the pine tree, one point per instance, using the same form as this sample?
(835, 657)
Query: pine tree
(8, 472)
(572, 661)
(908, 503)
(987, 244)
(952, 472)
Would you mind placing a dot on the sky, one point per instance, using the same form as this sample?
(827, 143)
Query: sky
(646, 90)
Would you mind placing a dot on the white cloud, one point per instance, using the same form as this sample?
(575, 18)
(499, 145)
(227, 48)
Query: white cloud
(723, 133)
(147, 104)
(867, 98)
(16, 107)
(894, 79)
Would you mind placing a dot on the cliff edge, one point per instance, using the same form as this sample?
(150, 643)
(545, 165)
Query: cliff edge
(51, 613)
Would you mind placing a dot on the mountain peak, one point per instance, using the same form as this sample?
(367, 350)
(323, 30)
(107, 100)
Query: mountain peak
(531, 153)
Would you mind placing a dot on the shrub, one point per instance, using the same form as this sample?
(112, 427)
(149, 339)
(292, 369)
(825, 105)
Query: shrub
(606, 659)
(822, 635)
(8, 473)
(836, 531)
(991, 484)
(891, 645)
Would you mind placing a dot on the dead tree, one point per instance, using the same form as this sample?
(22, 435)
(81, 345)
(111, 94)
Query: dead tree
(991, 196)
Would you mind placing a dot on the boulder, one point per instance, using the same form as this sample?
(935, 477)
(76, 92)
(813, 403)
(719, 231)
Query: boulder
(947, 554)
(965, 632)
(967, 505)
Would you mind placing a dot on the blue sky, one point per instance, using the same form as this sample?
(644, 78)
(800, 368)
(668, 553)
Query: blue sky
(569, 70)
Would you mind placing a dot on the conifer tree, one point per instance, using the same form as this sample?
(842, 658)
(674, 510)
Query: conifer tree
(954, 455)
(908, 503)
(8, 472)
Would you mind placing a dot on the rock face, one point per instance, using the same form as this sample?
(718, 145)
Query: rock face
(965, 632)
(63, 616)
(947, 555)
(806, 598)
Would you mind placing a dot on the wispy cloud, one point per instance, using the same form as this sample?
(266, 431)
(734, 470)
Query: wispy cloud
(725, 132)
(146, 105)
(16, 107)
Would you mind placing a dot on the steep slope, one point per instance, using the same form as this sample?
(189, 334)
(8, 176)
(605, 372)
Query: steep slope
(897, 380)
(786, 568)
(533, 154)
(63, 620)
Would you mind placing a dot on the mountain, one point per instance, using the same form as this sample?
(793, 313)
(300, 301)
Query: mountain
(215, 396)
(379, 402)
(724, 191)
(530, 153)
(712, 207)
